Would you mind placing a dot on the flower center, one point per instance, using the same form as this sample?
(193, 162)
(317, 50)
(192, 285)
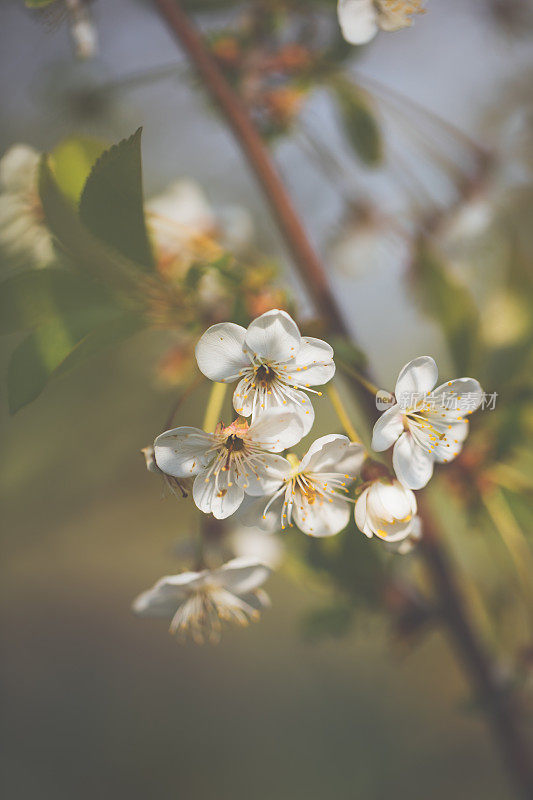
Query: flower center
(264, 375)
(234, 444)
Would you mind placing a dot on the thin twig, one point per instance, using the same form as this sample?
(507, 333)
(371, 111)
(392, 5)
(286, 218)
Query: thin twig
(477, 662)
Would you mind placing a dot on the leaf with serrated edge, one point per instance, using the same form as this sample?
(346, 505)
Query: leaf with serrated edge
(112, 205)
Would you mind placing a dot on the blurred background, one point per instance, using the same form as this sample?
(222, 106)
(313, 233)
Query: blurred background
(328, 696)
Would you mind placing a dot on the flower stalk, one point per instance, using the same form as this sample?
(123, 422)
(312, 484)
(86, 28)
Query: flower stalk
(342, 414)
(214, 406)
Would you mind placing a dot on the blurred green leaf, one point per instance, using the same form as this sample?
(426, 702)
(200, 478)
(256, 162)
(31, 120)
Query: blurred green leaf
(89, 255)
(29, 299)
(38, 3)
(450, 304)
(358, 121)
(112, 205)
(72, 161)
(60, 344)
(108, 334)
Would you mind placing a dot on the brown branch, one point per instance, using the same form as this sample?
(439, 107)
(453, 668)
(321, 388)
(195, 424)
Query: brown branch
(483, 674)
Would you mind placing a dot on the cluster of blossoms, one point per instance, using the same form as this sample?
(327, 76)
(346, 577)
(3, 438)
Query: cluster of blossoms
(240, 468)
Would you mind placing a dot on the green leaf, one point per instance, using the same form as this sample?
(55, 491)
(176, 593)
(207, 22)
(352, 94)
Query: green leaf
(112, 205)
(89, 255)
(106, 335)
(358, 122)
(58, 345)
(450, 304)
(29, 299)
(72, 161)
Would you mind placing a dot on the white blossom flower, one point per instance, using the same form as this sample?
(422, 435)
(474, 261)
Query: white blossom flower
(387, 509)
(424, 425)
(360, 20)
(313, 493)
(198, 602)
(230, 462)
(274, 364)
(23, 232)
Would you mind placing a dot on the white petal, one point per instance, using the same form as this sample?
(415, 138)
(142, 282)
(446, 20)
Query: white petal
(163, 599)
(264, 476)
(274, 336)
(387, 429)
(451, 445)
(396, 499)
(18, 169)
(220, 496)
(322, 517)
(456, 398)
(313, 363)
(357, 19)
(241, 575)
(394, 533)
(182, 452)
(361, 513)
(334, 453)
(243, 401)
(276, 430)
(284, 399)
(220, 353)
(412, 464)
(417, 377)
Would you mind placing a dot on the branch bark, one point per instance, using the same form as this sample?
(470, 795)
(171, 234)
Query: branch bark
(482, 672)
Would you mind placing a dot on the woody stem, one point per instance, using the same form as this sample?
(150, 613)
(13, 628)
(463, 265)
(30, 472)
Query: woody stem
(477, 662)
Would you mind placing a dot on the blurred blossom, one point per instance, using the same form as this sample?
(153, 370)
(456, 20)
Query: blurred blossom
(23, 233)
(387, 509)
(370, 243)
(198, 602)
(82, 29)
(405, 546)
(425, 424)
(253, 542)
(177, 364)
(274, 364)
(360, 20)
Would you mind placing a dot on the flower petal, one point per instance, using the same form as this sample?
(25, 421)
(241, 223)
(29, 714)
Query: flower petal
(417, 377)
(163, 599)
(220, 353)
(241, 575)
(313, 363)
(182, 452)
(276, 430)
(274, 336)
(456, 398)
(451, 445)
(218, 495)
(412, 464)
(243, 398)
(322, 517)
(334, 453)
(361, 513)
(357, 19)
(387, 429)
(264, 475)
